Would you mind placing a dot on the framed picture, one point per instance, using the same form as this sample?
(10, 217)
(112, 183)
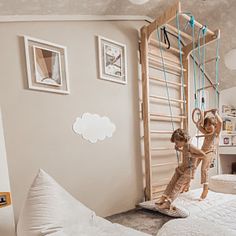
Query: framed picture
(112, 60)
(46, 66)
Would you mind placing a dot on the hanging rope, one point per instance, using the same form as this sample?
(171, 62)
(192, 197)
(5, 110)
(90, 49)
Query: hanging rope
(217, 73)
(192, 25)
(166, 38)
(166, 85)
(202, 32)
(182, 72)
(165, 78)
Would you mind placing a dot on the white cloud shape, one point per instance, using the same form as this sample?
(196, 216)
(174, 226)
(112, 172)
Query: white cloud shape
(93, 127)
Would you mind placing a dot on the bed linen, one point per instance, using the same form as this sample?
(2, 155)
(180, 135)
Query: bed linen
(214, 215)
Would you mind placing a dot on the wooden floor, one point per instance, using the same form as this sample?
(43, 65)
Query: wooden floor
(143, 220)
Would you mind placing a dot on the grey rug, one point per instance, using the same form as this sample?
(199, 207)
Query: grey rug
(143, 220)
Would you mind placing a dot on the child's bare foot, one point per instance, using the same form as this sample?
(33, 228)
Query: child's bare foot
(204, 192)
(161, 200)
(186, 188)
(165, 205)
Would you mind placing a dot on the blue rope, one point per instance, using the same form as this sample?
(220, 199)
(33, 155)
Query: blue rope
(202, 31)
(192, 24)
(196, 95)
(192, 21)
(217, 72)
(165, 77)
(203, 68)
(167, 88)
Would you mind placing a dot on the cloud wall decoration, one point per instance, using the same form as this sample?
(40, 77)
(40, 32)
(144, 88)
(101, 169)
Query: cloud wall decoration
(93, 127)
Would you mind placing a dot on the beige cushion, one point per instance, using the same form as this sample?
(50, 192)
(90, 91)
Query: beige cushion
(223, 183)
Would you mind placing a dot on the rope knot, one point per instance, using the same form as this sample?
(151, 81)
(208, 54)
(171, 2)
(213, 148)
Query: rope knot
(192, 21)
(204, 29)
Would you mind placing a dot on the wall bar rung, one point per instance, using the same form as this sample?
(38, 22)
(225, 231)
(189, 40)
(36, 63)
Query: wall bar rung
(168, 82)
(165, 164)
(166, 99)
(162, 149)
(162, 181)
(155, 43)
(166, 119)
(168, 116)
(199, 25)
(167, 65)
(158, 189)
(161, 132)
(157, 67)
(210, 60)
(206, 87)
(174, 29)
(166, 58)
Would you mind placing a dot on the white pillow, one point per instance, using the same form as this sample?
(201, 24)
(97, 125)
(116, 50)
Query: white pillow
(49, 209)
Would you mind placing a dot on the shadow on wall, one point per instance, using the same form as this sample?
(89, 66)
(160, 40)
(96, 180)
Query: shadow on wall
(23, 62)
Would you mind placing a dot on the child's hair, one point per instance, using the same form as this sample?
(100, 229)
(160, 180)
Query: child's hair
(209, 120)
(179, 135)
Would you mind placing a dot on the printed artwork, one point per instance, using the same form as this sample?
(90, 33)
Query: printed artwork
(46, 66)
(112, 61)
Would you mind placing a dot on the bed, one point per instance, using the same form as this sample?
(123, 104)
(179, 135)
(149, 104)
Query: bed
(50, 210)
(216, 215)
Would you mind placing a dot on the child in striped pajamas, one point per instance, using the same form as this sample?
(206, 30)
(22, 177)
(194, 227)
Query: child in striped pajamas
(182, 173)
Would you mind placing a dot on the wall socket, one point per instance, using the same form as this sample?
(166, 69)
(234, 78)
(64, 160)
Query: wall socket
(5, 199)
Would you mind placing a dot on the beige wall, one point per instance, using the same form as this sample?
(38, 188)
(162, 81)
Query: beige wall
(106, 176)
(7, 224)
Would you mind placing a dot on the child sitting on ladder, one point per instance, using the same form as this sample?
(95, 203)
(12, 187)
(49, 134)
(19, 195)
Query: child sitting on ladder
(211, 130)
(182, 173)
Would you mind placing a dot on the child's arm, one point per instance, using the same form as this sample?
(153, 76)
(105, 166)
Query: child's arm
(177, 149)
(196, 152)
(218, 124)
(213, 111)
(201, 129)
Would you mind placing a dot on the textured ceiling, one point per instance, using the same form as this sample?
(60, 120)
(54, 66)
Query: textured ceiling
(214, 13)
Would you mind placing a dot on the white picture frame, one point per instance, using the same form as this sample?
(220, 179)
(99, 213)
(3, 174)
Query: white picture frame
(47, 66)
(112, 60)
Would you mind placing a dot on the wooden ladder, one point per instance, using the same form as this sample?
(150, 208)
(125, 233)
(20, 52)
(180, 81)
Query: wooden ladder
(159, 153)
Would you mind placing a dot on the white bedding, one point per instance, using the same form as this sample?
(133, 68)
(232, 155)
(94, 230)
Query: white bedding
(101, 227)
(98, 227)
(217, 210)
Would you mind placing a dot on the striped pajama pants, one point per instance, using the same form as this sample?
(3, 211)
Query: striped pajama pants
(180, 179)
(206, 162)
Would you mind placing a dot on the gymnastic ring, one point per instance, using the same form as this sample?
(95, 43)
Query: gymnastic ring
(200, 119)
